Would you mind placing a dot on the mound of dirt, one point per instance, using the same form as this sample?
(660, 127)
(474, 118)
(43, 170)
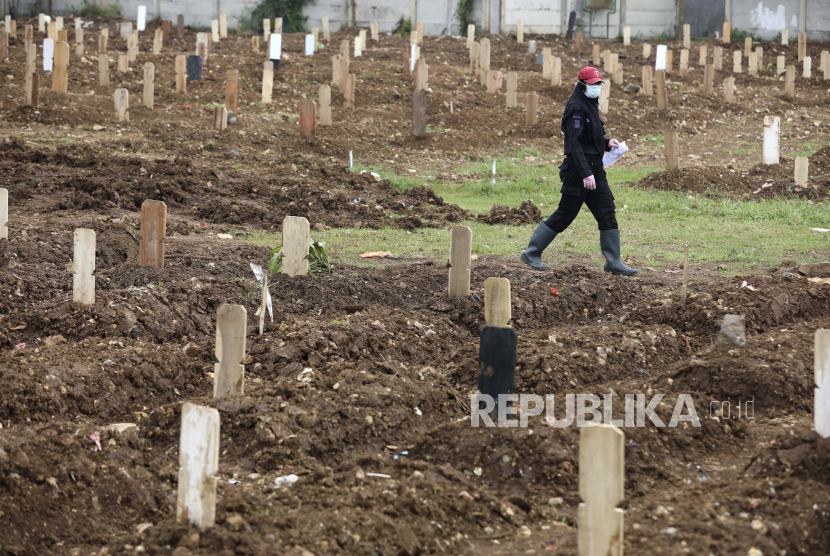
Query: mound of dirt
(527, 213)
(800, 453)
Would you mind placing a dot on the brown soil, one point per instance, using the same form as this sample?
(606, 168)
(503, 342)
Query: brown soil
(393, 360)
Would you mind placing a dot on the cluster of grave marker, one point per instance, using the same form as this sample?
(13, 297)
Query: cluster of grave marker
(601, 447)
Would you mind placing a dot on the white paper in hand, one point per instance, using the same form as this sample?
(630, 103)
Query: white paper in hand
(614, 154)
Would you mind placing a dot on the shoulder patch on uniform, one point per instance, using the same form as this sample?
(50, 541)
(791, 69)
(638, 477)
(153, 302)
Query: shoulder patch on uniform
(577, 121)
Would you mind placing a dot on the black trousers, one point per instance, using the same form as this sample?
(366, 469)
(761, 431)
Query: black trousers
(600, 201)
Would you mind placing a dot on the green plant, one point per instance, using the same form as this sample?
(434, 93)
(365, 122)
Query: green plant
(463, 12)
(739, 35)
(291, 12)
(406, 28)
(318, 259)
(89, 9)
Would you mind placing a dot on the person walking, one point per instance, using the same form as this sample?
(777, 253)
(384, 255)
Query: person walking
(583, 179)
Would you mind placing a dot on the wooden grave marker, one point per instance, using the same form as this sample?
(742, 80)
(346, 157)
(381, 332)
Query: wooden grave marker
(180, 26)
(326, 33)
(497, 306)
(181, 74)
(531, 109)
(348, 91)
(494, 80)
(4, 213)
(577, 41)
(232, 91)
(52, 32)
(687, 36)
(153, 233)
(759, 58)
(604, 96)
(4, 45)
(295, 243)
(267, 81)
(512, 87)
(308, 118)
(753, 64)
(789, 82)
(255, 43)
(223, 26)
(41, 23)
(475, 56)
(32, 82)
(373, 27)
(684, 61)
(780, 65)
(648, 81)
(708, 80)
(736, 61)
(461, 245)
(672, 151)
(785, 37)
(747, 46)
(103, 70)
(727, 32)
(123, 63)
(60, 77)
(601, 488)
(595, 55)
(821, 366)
(335, 69)
(132, 46)
(149, 84)
(358, 47)
(229, 372)
(103, 40)
(484, 60)
(343, 73)
(606, 61)
(165, 31)
(344, 49)
(220, 118)
(646, 51)
(520, 31)
(800, 176)
(158, 40)
(547, 63)
(685, 285)
(83, 267)
(278, 25)
(422, 76)
(214, 30)
(703, 55)
(419, 27)
(626, 36)
(63, 36)
(324, 93)
(363, 42)
(808, 67)
(669, 60)
(315, 32)
(59, 22)
(802, 46)
(198, 465)
(662, 99)
(79, 42)
(266, 28)
(48, 54)
(28, 33)
(126, 27)
(728, 89)
(556, 72)
(419, 113)
(717, 59)
(772, 133)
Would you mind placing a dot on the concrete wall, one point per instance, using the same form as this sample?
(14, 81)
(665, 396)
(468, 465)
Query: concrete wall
(766, 18)
(538, 16)
(704, 16)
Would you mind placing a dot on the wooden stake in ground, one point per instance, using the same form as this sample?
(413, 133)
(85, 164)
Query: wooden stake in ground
(484, 60)
(821, 364)
(531, 109)
(255, 43)
(324, 93)
(601, 487)
(604, 94)
(132, 46)
(802, 46)
(497, 306)
(669, 60)
(373, 28)
(267, 81)
(60, 78)
(295, 243)
(494, 80)
(717, 60)
(28, 33)
(648, 82)
(32, 78)
(800, 177)
(747, 46)
(214, 30)
(220, 118)
(780, 63)
(103, 39)
(4, 213)
(772, 132)
(626, 36)
(512, 87)
(181, 74)
(685, 275)
(727, 32)
(158, 40)
(475, 57)
(606, 61)
(335, 69)
(63, 36)
(59, 22)
(461, 245)
(358, 47)
(52, 32)
(419, 113)
(556, 73)
(232, 91)
(687, 36)
(646, 51)
(180, 26)
(808, 64)
(33, 92)
(708, 80)
(41, 23)
(343, 73)
(198, 464)
(363, 43)
(520, 32)
(165, 31)
(547, 63)
(153, 232)
(785, 37)
(79, 42)
(223, 26)
(728, 89)
(149, 84)
(789, 82)
(422, 76)
(684, 61)
(672, 151)
(419, 27)
(326, 34)
(308, 118)
(577, 41)
(595, 55)
(736, 61)
(753, 64)
(348, 91)
(229, 372)
(703, 55)
(83, 267)
(662, 99)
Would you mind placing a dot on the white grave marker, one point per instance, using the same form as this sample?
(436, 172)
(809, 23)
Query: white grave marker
(83, 281)
(48, 53)
(142, 18)
(309, 45)
(275, 47)
(660, 64)
(772, 132)
(198, 463)
(822, 369)
(4, 213)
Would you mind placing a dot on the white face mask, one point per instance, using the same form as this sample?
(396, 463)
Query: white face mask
(593, 91)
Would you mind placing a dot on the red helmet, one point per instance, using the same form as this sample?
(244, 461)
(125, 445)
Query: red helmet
(590, 75)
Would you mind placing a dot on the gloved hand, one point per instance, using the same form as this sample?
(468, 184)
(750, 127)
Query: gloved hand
(590, 183)
(613, 143)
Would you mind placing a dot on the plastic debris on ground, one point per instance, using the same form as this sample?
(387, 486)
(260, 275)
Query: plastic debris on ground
(260, 277)
(286, 480)
(96, 437)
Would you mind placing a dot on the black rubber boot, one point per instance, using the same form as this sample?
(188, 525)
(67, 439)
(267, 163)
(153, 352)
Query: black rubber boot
(541, 238)
(609, 242)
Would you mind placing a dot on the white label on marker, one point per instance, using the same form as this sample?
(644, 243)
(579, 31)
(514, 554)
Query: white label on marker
(660, 64)
(309, 45)
(276, 46)
(48, 52)
(142, 18)
(412, 58)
